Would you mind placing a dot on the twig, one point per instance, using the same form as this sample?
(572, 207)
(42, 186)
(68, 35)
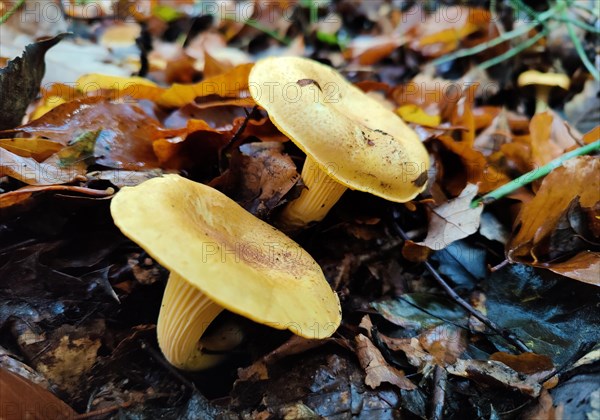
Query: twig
(235, 137)
(11, 11)
(103, 411)
(504, 333)
(537, 173)
(440, 379)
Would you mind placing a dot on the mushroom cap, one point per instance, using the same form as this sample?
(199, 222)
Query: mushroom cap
(237, 260)
(354, 138)
(534, 77)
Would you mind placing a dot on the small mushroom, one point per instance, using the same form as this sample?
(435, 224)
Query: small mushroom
(221, 257)
(543, 82)
(350, 139)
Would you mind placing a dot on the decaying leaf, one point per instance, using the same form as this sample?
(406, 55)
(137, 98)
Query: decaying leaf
(495, 374)
(68, 353)
(376, 368)
(259, 176)
(453, 220)
(20, 81)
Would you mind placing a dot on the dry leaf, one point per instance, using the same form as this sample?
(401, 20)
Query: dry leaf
(232, 84)
(496, 374)
(22, 399)
(259, 176)
(446, 343)
(376, 368)
(453, 220)
(576, 181)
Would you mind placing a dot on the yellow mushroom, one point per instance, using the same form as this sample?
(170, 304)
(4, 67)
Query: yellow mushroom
(543, 83)
(221, 257)
(350, 139)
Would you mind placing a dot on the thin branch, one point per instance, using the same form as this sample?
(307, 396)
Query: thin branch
(537, 173)
(504, 333)
(440, 380)
(581, 52)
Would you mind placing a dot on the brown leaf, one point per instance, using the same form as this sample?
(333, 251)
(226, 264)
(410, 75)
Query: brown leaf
(584, 267)
(37, 148)
(545, 409)
(453, 220)
(527, 363)
(475, 168)
(577, 180)
(259, 176)
(445, 343)
(543, 150)
(20, 81)
(376, 368)
(22, 399)
(126, 131)
(495, 374)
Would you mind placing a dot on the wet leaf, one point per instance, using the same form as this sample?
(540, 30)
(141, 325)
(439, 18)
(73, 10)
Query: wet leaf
(24, 399)
(420, 310)
(32, 172)
(462, 263)
(544, 409)
(552, 314)
(20, 81)
(495, 374)
(126, 137)
(584, 267)
(453, 220)
(376, 368)
(36, 148)
(445, 343)
(528, 363)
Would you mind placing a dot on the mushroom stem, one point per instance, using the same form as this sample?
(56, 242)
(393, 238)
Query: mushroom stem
(316, 200)
(542, 94)
(185, 314)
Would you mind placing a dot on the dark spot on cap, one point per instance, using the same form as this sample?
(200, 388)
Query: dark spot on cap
(306, 82)
(421, 179)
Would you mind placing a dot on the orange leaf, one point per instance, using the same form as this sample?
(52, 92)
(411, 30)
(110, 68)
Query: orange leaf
(232, 84)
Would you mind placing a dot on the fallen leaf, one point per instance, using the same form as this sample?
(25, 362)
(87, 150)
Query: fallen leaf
(527, 363)
(453, 220)
(584, 267)
(117, 87)
(23, 399)
(543, 150)
(32, 172)
(544, 409)
(419, 310)
(20, 81)
(445, 343)
(495, 374)
(126, 137)
(259, 176)
(576, 181)
(232, 84)
(37, 148)
(376, 368)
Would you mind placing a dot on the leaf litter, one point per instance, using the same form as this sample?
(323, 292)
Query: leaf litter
(79, 301)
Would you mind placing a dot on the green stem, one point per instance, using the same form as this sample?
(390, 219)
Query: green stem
(513, 51)
(11, 12)
(581, 52)
(496, 41)
(537, 173)
(257, 25)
